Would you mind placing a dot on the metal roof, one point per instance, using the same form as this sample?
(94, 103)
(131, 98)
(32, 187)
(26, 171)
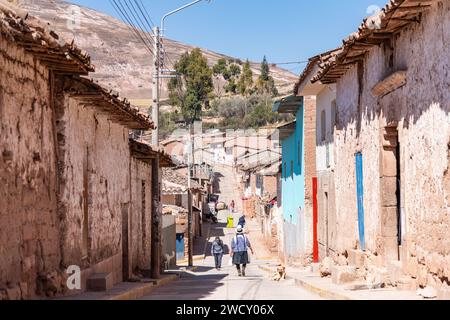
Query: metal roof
(289, 104)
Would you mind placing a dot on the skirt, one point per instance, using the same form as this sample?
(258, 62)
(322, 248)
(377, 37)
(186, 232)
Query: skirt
(240, 258)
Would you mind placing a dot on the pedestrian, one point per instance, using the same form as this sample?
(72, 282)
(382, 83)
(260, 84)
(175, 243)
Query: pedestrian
(242, 221)
(239, 251)
(233, 206)
(217, 251)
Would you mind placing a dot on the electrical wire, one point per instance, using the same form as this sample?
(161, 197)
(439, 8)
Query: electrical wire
(138, 21)
(126, 18)
(129, 26)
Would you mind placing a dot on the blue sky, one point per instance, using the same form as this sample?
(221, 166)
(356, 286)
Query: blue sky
(283, 30)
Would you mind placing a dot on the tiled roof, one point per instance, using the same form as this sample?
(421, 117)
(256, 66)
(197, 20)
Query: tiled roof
(175, 183)
(120, 110)
(146, 152)
(396, 15)
(46, 45)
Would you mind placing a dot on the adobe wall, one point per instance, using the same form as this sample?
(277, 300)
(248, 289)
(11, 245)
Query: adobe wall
(29, 237)
(141, 214)
(95, 171)
(420, 113)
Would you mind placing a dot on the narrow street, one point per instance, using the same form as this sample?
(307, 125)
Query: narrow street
(204, 282)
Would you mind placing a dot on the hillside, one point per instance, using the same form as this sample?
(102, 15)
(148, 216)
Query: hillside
(122, 63)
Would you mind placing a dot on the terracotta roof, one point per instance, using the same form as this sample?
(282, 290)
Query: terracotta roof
(35, 37)
(395, 16)
(147, 153)
(312, 62)
(107, 101)
(175, 183)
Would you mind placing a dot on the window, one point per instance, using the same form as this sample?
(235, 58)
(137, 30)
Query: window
(323, 126)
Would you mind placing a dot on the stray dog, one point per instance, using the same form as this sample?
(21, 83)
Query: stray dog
(168, 259)
(280, 274)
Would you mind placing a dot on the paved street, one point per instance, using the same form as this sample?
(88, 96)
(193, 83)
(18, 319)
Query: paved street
(206, 283)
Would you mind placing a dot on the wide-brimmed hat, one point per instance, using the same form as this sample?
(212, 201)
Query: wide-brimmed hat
(239, 229)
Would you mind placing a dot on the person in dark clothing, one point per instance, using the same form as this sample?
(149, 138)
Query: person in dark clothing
(239, 251)
(242, 221)
(217, 251)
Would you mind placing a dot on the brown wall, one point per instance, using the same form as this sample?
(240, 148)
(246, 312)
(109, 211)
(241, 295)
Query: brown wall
(310, 165)
(29, 235)
(141, 215)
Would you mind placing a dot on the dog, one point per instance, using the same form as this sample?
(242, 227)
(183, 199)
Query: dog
(168, 259)
(280, 274)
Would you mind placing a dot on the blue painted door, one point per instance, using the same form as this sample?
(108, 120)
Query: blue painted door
(180, 246)
(360, 198)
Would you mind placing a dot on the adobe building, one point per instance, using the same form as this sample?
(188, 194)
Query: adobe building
(392, 141)
(73, 192)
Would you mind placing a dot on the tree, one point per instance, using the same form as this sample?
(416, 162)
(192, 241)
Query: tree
(220, 67)
(265, 83)
(245, 84)
(265, 70)
(191, 89)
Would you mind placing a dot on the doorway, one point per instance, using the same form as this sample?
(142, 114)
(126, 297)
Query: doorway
(125, 243)
(390, 184)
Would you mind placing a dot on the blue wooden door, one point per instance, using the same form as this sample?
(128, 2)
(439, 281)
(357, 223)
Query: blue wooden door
(180, 246)
(360, 198)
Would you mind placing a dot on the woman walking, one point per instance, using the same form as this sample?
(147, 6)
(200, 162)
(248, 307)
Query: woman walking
(217, 251)
(239, 251)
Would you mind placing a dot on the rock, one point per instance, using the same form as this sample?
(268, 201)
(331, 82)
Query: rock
(343, 274)
(325, 267)
(427, 293)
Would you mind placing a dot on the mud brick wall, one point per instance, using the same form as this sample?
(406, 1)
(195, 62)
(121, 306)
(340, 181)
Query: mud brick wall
(141, 214)
(94, 172)
(420, 113)
(29, 238)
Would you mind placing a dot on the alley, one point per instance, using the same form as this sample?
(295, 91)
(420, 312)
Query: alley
(204, 282)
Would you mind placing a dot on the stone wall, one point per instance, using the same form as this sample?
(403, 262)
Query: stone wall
(418, 113)
(29, 236)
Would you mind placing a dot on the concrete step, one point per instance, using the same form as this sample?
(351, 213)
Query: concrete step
(99, 282)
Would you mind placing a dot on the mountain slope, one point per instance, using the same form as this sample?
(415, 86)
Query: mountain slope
(122, 63)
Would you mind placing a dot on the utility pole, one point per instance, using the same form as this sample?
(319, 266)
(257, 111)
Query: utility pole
(156, 244)
(156, 79)
(190, 211)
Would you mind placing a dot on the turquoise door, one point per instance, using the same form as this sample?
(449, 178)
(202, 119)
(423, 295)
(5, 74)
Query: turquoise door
(360, 199)
(180, 246)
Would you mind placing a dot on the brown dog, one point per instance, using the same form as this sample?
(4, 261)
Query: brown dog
(280, 274)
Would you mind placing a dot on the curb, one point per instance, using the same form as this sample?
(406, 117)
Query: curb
(145, 289)
(324, 293)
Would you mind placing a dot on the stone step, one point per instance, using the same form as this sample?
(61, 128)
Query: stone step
(99, 282)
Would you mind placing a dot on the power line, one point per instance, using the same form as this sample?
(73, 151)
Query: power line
(118, 7)
(146, 15)
(121, 15)
(138, 21)
(294, 62)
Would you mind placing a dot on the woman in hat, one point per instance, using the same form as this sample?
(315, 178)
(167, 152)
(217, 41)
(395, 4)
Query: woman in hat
(239, 250)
